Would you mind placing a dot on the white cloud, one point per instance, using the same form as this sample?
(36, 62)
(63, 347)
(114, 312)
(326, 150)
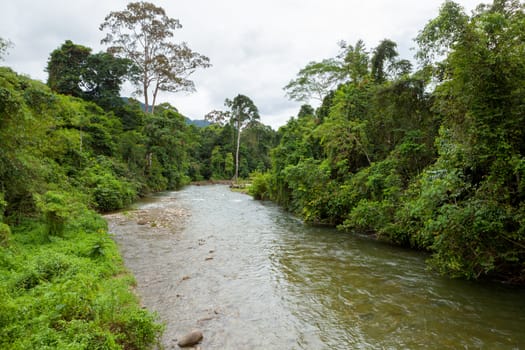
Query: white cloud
(255, 47)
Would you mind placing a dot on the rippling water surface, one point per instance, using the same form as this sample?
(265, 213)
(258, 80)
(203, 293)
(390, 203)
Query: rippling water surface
(253, 277)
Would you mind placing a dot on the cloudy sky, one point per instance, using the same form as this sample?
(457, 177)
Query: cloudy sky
(256, 47)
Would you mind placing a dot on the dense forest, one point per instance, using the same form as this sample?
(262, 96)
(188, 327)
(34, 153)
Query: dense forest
(63, 157)
(429, 156)
(73, 147)
(431, 159)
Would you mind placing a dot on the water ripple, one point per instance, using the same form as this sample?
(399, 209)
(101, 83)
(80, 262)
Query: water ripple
(254, 277)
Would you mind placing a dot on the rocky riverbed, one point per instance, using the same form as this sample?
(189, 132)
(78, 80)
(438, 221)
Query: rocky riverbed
(164, 216)
(148, 238)
(199, 261)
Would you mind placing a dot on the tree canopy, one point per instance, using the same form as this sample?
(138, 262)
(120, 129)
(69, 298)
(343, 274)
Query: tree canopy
(241, 114)
(74, 70)
(143, 34)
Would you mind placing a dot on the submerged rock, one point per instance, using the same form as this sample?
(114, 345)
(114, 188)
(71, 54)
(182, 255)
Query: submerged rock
(191, 338)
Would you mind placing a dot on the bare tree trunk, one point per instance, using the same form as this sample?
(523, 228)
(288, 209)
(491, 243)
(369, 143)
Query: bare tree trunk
(154, 98)
(237, 152)
(145, 80)
(146, 105)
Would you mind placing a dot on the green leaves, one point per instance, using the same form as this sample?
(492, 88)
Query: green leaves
(5, 234)
(384, 53)
(315, 80)
(437, 170)
(441, 34)
(71, 292)
(73, 70)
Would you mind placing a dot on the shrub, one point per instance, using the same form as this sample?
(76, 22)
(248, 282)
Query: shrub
(3, 205)
(56, 209)
(136, 329)
(108, 191)
(369, 216)
(260, 188)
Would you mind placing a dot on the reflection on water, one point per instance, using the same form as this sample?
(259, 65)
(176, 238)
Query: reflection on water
(254, 277)
(369, 295)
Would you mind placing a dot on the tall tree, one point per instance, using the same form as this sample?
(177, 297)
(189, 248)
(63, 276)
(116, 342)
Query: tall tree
(74, 70)
(242, 113)
(385, 53)
(317, 79)
(143, 33)
(354, 60)
(314, 81)
(65, 67)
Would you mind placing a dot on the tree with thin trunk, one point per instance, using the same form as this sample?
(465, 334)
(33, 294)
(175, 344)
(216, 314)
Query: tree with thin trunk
(317, 79)
(314, 81)
(242, 113)
(142, 33)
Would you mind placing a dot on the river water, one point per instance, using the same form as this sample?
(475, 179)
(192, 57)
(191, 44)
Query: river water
(252, 276)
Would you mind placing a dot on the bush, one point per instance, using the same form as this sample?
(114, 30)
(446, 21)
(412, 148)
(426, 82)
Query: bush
(56, 208)
(369, 216)
(109, 192)
(135, 330)
(260, 188)
(3, 205)
(112, 194)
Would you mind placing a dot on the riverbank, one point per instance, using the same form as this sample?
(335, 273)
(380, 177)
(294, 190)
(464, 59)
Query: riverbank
(69, 291)
(241, 186)
(212, 182)
(146, 237)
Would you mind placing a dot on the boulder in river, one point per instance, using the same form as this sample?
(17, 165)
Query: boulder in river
(190, 339)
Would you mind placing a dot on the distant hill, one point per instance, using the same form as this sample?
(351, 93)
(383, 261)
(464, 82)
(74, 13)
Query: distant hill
(200, 123)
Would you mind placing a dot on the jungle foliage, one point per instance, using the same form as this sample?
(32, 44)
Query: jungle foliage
(62, 282)
(64, 156)
(70, 149)
(431, 159)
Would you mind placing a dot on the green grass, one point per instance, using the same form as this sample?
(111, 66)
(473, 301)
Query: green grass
(69, 292)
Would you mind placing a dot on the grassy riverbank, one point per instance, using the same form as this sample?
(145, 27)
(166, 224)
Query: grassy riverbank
(69, 291)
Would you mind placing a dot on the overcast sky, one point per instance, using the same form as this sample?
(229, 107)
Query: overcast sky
(255, 47)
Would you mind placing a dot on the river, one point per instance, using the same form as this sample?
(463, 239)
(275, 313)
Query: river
(252, 276)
